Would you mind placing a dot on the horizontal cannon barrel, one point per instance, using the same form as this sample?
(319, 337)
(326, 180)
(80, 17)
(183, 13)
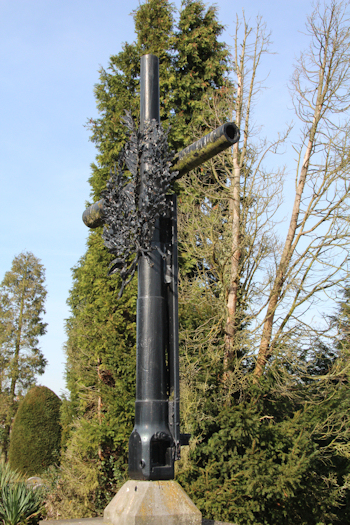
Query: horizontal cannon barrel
(186, 160)
(205, 148)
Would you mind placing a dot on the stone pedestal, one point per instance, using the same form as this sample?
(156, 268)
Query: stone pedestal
(151, 503)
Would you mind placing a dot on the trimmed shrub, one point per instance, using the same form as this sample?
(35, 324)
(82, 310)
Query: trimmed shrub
(36, 432)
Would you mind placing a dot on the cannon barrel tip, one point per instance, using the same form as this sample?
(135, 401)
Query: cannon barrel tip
(93, 215)
(232, 132)
(206, 148)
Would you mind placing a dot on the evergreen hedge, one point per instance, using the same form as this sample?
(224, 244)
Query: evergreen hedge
(36, 432)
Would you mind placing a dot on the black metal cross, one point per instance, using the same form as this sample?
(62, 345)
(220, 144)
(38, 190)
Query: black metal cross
(155, 441)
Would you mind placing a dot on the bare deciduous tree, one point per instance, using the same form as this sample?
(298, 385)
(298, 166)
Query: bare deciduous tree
(261, 289)
(232, 231)
(247, 56)
(314, 257)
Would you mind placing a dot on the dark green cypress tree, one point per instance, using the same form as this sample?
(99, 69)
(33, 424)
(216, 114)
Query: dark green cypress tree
(101, 329)
(154, 21)
(200, 66)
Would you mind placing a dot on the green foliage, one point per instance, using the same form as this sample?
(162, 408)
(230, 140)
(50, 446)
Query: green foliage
(101, 355)
(276, 452)
(20, 504)
(191, 62)
(101, 362)
(22, 298)
(101, 351)
(200, 67)
(8, 476)
(262, 452)
(36, 432)
(73, 485)
(342, 321)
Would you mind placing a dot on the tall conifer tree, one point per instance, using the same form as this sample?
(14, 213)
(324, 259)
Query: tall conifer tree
(97, 420)
(22, 300)
(200, 66)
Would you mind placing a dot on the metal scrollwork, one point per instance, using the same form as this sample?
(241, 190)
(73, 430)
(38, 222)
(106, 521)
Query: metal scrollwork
(135, 196)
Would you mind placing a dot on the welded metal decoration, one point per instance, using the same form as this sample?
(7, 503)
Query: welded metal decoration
(183, 162)
(131, 206)
(140, 220)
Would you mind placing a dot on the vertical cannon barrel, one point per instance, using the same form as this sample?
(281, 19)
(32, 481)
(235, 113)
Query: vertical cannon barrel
(151, 442)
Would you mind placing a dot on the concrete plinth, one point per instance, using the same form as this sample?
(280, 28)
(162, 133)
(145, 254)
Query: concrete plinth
(152, 503)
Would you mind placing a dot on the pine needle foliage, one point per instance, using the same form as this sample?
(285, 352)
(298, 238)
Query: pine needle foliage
(101, 363)
(269, 459)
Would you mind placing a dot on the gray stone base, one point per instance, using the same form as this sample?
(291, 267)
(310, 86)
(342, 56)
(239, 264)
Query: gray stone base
(152, 503)
(146, 503)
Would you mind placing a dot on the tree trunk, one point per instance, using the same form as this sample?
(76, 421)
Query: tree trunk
(232, 295)
(15, 373)
(244, 53)
(234, 204)
(265, 349)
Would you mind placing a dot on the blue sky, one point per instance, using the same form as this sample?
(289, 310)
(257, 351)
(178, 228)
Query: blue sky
(50, 53)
